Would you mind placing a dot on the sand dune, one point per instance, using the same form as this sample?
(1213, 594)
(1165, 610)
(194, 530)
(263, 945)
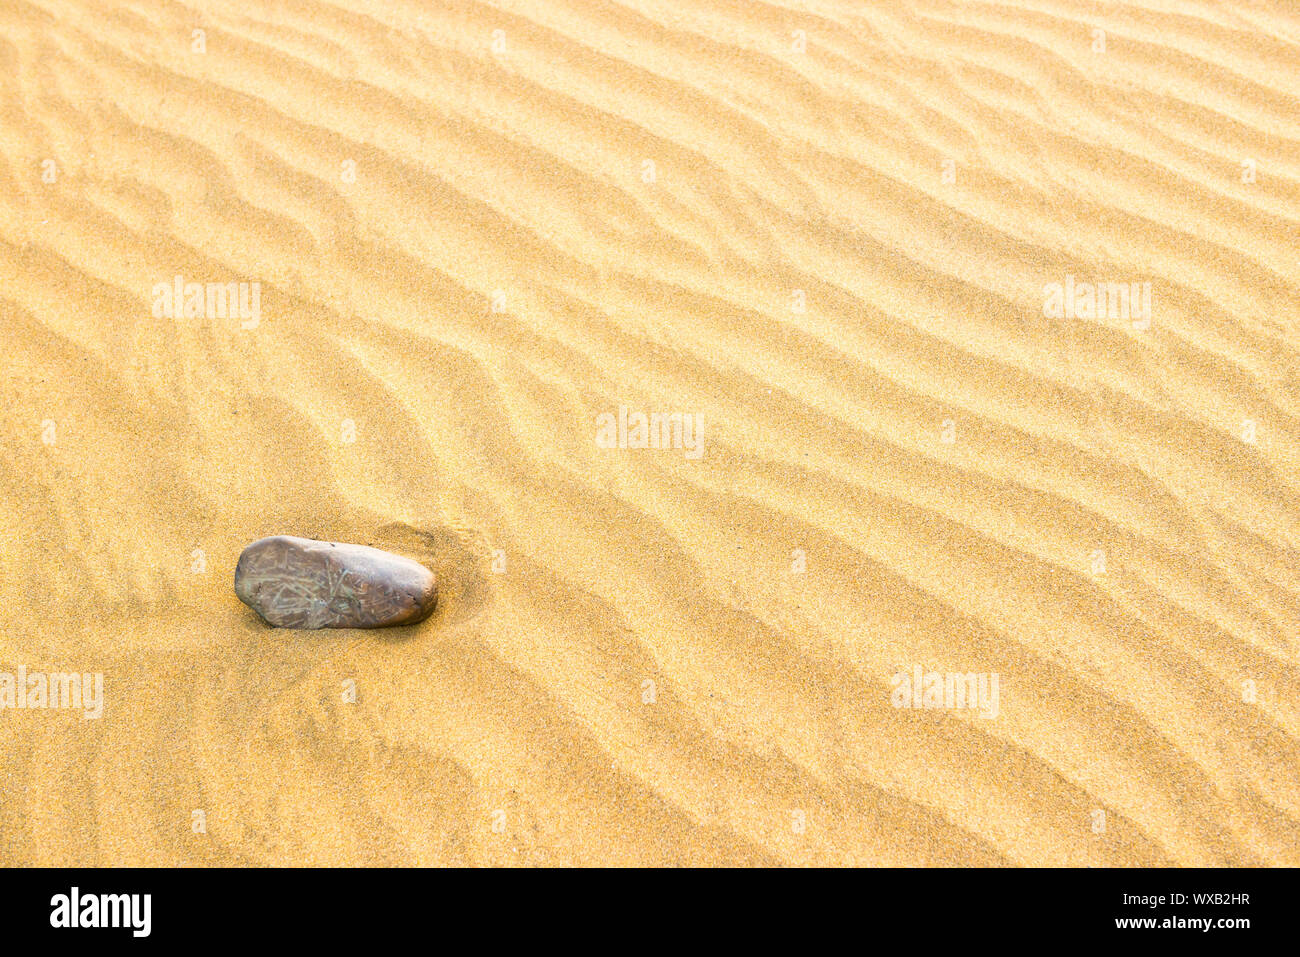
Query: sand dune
(821, 235)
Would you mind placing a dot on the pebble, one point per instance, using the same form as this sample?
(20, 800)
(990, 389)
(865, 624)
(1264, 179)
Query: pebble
(302, 583)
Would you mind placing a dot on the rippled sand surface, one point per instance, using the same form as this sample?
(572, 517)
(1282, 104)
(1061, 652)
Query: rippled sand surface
(823, 231)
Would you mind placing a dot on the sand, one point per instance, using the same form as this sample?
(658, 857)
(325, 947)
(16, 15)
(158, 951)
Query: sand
(477, 241)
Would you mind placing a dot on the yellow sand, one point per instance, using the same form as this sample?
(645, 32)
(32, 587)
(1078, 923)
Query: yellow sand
(826, 227)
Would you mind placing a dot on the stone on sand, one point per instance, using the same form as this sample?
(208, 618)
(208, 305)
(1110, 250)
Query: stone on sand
(302, 583)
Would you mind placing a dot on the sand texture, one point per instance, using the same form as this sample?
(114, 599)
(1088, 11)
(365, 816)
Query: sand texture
(472, 243)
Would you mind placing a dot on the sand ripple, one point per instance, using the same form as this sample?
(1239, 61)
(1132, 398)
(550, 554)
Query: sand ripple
(823, 228)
